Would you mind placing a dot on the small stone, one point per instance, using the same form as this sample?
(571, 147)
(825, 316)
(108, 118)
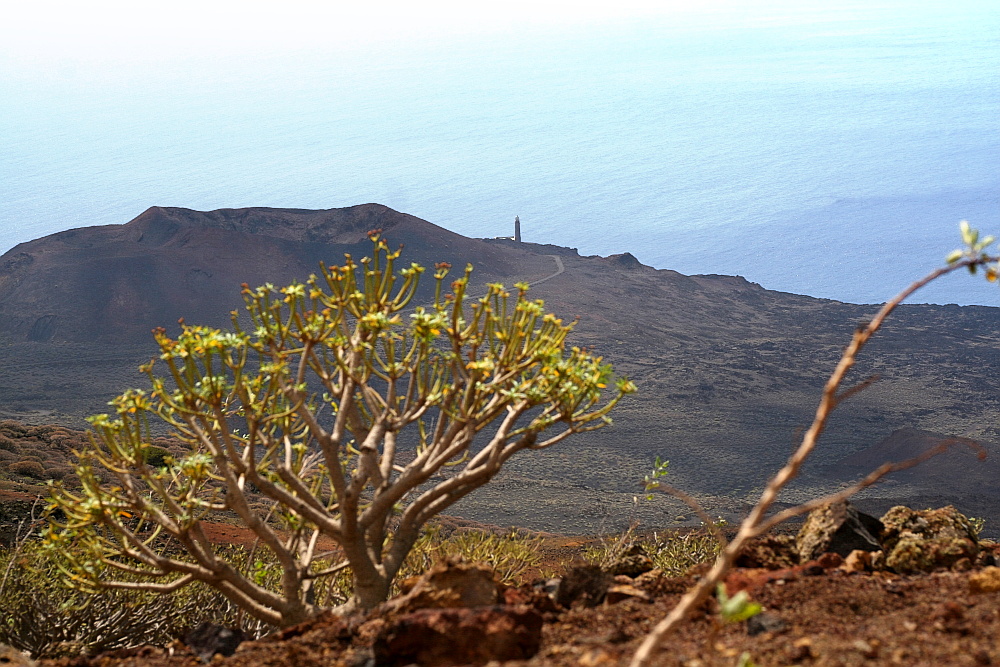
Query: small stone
(765, 622)
(751, 580)
(857, 561)
(595, 658)
(801, 649)
(648, 577)
(620, 592)
(830, 560)
(549, 586)
(530, 595)
(869, 649)
(949, 611)
(950, 617)
(986, 580)
(358, 657)
(813, 569)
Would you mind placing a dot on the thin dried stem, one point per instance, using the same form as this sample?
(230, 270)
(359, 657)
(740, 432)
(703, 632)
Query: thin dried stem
(699, 511)
(28, 525)
(757, 523)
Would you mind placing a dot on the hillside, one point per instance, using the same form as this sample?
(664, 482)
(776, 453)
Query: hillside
(727, 370)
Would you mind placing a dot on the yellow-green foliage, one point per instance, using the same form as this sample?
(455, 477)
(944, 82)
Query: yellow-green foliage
(347, 409)
(46, 617)
(510, 555)
(677, 553)
(674, 553)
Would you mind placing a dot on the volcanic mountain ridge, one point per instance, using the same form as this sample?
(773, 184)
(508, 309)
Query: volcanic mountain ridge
(727, 371)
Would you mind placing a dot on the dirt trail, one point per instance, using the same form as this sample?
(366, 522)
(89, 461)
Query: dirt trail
(559, 269)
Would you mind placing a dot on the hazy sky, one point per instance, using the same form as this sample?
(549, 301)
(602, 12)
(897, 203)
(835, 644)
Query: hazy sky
(102, 27)
(673, 115)
(45, 32)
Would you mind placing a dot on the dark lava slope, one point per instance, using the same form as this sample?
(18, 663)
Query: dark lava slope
(727, 370)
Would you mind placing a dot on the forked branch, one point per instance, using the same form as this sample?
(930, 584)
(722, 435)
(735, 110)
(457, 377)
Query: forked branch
(758, 522)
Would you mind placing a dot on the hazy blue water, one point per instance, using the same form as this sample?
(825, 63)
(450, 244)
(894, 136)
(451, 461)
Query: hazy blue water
(828, 152)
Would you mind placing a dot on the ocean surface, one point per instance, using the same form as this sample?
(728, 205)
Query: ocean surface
(828, 149)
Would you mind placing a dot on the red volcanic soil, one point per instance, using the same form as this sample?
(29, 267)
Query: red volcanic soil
(814, 615)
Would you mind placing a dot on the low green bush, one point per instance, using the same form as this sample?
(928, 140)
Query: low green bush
(511, 555)
(7, 444)
(48, 619)
(674, 553)
(677, 553)
(27, 469)
(156, 456)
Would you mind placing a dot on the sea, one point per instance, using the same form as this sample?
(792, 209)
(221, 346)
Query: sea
(822, 148)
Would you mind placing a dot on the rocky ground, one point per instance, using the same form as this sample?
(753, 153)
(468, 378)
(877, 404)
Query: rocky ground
(941, 606)
(814, 616)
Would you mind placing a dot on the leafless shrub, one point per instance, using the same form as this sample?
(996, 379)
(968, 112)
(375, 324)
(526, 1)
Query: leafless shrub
(759, 521)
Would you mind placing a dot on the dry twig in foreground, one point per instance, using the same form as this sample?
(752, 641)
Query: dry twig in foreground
(758, 523)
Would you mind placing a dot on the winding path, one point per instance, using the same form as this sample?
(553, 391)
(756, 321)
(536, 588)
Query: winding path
(559, 269)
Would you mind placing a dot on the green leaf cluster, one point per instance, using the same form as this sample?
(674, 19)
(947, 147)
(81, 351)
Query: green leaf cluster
(973, 254)
(336, 409)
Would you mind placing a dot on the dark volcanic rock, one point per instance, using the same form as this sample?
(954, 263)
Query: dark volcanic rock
(765, 622)
(838, 528)
(209, 639)
(632, 563)
(587, 584)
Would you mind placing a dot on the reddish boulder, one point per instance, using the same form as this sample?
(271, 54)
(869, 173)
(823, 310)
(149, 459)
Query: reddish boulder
(771, 552)
(459, 636)
(449, 583)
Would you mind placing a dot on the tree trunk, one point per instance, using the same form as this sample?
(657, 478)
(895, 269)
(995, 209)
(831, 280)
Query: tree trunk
(295, 615)
(369, 593)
